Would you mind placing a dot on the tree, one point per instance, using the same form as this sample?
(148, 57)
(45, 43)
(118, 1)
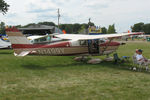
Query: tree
(104, 30)
(139, 27)
(47, 23)
(111, 29)
(73, 28)
(18, 26)
(62, 26)
(83, 28)
(146, 28)
(85, 25)
(29, 24)
(3, 7)
(90, 24)
(2, 28)
(76, 27)
(69, 28)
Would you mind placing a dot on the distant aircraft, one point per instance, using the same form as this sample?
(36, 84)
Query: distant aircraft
(4, 44)
(64, 44)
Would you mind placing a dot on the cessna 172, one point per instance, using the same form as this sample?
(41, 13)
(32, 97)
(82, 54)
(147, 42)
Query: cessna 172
(65, 44)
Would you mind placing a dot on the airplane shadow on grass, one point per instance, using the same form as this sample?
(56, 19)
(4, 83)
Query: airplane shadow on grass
(34, 66)
(3, 53)
(111, 65)
(43, 67)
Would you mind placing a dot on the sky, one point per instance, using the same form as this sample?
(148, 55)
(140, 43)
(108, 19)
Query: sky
(122, 13)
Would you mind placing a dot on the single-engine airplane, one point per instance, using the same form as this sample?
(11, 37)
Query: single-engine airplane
(65, 44)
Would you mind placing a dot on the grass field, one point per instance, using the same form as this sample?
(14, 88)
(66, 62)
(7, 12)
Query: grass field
(61, 78)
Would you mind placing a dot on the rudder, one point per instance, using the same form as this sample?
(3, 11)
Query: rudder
(17, 38)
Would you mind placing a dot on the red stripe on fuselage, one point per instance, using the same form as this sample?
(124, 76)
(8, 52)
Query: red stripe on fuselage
(110, 44)
(17, 46)
(57, 45)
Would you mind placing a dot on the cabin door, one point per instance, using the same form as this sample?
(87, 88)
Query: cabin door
(93, 46)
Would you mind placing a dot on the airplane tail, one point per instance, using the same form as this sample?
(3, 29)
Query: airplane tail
(17, 38)
(19, 42)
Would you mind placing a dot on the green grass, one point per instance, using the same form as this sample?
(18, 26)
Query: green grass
(61, 78)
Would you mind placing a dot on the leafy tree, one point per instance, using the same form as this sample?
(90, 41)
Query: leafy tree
(67, 27)
(104, 30)
(76, 27)
(62, 26)
(2, 28)
(18, 26)
(146, 28)
(90, 24)
(111, 29)
(73, 28)
(29, 24)
(83, 28)
(47, 23)
(139, 27)
(3, 7)
(85, 25)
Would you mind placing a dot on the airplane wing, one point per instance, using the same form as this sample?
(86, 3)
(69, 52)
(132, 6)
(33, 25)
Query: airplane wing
(90, 37)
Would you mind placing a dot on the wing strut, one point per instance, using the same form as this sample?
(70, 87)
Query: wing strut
(107, 45)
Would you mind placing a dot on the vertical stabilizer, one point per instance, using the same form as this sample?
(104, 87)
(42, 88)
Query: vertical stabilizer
(17, 38)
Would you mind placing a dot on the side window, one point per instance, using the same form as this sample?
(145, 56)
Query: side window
(42, 39)
(36, 41)
(48, 39)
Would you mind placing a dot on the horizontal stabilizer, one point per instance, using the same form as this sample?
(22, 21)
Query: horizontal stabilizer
(23, 53)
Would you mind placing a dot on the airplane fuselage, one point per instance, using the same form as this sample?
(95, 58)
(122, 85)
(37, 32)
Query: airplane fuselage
(67, 48)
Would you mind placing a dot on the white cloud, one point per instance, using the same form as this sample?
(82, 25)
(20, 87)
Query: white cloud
(123, 13)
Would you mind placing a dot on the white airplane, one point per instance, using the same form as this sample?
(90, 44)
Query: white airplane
(65, 44)
(4, 44)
